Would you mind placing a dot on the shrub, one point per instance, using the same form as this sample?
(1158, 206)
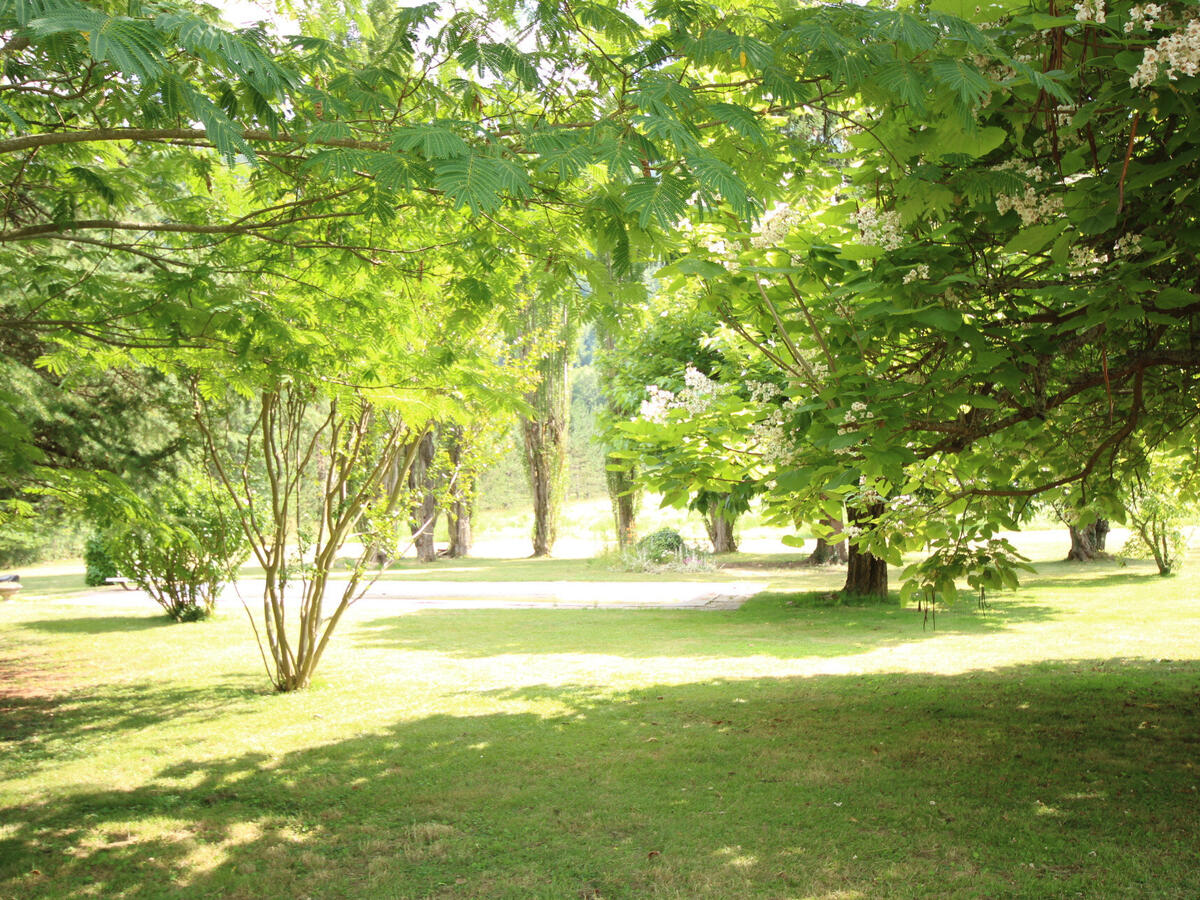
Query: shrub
(180, 549)
(100, 565)
(662, 551)
(661, 546)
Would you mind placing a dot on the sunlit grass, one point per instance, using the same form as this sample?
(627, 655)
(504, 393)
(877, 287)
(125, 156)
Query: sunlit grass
(1043, 747)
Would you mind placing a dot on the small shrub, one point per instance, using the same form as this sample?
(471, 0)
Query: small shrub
(100, 565)
(661, 546)
(180, 550)
(659, 552)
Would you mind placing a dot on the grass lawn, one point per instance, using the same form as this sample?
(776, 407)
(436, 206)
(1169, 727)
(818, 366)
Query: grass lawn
(1046, 747)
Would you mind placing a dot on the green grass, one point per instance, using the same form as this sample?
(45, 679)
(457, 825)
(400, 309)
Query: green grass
(1047, 747)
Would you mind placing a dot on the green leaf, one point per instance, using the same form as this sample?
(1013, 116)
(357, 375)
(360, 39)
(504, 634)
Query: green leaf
(472, 181)
(743, 121)
(1034, 238)
(718, 176)
(1175, 298)
(962, 77)
(433, 140)
(662, 201)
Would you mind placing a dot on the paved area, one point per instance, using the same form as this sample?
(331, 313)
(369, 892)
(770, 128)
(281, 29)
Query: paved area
(403, 596)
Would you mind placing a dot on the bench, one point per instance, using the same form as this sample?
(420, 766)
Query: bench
(127, 583)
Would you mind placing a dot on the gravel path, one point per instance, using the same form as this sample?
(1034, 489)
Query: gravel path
(415, 595)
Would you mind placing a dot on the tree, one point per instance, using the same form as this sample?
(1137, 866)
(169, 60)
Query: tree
(1160, 498)
(1005, 264)
(552, 330)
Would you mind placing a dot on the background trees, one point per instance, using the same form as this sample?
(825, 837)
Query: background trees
(949, 244)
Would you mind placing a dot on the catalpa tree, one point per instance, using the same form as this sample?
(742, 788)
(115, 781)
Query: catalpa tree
(977, 308)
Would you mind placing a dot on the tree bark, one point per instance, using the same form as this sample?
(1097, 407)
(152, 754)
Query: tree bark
(462, 496)
(623, 496)
(718, 522)
(825, 553)
(424, 509)
(866, 574)
(458, 518)
(1087, 543)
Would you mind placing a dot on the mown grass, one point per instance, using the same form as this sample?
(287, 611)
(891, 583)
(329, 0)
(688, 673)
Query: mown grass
(1046, 747)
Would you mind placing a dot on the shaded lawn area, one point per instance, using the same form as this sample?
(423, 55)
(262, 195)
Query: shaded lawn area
(1048, 747)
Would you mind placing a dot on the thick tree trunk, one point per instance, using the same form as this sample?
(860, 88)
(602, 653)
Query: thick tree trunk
(425, 510)
(1087, 543)
(718, 522)
(623, 496)
(866, 574)
(827, 554)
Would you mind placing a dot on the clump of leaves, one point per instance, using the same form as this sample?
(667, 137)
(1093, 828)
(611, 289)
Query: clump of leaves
(987, 565)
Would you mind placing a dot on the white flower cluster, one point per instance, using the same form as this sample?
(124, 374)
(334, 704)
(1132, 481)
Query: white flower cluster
(655, 409)
(727, 253)
(855, 416)
(1178, 53)
(1086, 261)
(1127, 245)
(1143, 17)
(879, 228)
(1033, 207)
(866, 496)
(696, 397)
(775, 227)
(771, 436)
(763, 391)
(919, 273)
(1090, 11)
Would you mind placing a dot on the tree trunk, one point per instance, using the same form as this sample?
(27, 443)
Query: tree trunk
(458, 518)
(461, 507)
(623, 496)
(827, 554)
(1087, 543)
(546, 432)
(866, 574)
(718, 522)
(425, 510)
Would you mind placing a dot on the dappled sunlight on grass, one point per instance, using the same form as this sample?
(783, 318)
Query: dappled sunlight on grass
(777, 787)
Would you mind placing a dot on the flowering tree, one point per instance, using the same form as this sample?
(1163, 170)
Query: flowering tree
(987, 289)
(696, 436)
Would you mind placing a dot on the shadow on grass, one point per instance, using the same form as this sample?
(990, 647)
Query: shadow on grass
(1048, 780)
(1106, 575)
(110, 709)
(782, 625)
(99, 624)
